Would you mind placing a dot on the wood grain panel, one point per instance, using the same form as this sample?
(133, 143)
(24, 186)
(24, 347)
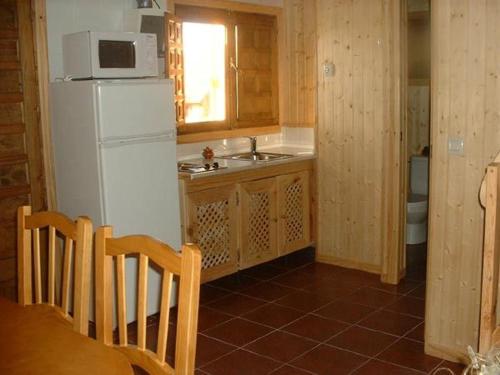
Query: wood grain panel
(7, 247)
(11, 113)
(298, 65)
(13, 175)
(8, 15)
(465, 104)
(21, 166)
(258, 224)
(256, 76)
(358, 132)
(11, 144)
(11, 81)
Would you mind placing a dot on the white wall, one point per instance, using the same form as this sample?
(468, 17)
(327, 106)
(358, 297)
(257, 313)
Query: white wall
(68, 16)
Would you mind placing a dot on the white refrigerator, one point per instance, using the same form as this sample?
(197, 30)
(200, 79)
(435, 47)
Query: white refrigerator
(115, 162)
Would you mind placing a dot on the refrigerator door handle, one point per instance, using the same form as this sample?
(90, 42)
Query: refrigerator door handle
(146, 138)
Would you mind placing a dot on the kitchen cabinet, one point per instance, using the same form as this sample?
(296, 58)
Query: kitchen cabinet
(245, 218)
(294, 203)
(258, 222)
(211, 224)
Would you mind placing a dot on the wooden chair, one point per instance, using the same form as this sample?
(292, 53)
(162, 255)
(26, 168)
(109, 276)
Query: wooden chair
(186, 265)
(489, 330)
(29, 265)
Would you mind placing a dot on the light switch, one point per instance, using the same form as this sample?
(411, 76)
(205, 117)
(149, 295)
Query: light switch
(456, 146)
(329, 69)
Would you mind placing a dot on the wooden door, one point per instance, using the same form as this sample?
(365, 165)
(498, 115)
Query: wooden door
(258, 222)
(212, 225)
(294, 221)
(21, 167)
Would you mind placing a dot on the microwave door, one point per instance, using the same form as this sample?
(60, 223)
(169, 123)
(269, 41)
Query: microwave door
(117, 54)
(127, 55)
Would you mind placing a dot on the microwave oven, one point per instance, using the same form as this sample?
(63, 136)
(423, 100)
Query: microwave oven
(92, 54)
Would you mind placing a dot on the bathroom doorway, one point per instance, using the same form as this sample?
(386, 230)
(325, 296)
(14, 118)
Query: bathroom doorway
(417, 136)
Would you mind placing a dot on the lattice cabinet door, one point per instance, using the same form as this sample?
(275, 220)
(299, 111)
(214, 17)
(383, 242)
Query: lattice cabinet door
(258, 224)
(212, 225)
(294, 223)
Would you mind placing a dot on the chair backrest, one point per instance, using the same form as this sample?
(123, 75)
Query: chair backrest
(186, 265)
(489, 330)
(77, 235)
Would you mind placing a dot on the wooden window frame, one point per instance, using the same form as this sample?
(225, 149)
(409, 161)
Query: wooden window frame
(217, 11)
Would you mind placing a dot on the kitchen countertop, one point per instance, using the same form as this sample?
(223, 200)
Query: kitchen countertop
(299, 153)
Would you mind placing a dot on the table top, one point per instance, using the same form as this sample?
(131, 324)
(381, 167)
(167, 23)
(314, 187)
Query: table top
(36, 339)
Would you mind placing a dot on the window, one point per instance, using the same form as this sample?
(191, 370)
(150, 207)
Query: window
(224, 64)
(204, 46)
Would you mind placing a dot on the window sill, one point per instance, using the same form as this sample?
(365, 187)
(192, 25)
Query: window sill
(221, 134)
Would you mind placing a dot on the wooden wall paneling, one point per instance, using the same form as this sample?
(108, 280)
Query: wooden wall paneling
(358, 132)
(298, 68)
(30, 105)
(465, 104)
(21, 165)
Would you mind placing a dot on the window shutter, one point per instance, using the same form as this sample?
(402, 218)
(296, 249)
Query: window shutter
(174, 64)
(256, 70)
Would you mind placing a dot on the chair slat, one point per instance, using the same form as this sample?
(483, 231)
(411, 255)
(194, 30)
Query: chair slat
(24, 266)
(187, 322)
(104, 288)
(166, 293)
(81, 275)
(68, 254)
(142, 301)
(51, 280)
(37, 265)
(121, 293)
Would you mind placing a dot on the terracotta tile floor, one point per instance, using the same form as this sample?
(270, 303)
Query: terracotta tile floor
(294, 316)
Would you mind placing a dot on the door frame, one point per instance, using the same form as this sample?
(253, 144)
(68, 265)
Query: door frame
(395, 179)
(39, 23)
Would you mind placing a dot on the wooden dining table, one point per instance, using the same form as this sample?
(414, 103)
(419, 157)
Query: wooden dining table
(36, 339)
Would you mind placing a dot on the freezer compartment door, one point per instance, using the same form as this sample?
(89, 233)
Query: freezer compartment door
(133, 109)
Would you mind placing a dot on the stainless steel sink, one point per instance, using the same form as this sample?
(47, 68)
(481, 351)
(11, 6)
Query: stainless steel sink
(257, 156)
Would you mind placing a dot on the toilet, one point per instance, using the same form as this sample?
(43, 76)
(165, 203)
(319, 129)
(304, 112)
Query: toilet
(416, 206)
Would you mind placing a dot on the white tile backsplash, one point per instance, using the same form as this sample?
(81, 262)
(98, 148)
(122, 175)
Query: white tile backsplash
(303, 137)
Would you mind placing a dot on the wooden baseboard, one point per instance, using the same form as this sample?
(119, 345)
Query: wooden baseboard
(346, 263)
(448, 354)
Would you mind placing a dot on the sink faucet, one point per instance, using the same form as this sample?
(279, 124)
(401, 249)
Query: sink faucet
(253, 145)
